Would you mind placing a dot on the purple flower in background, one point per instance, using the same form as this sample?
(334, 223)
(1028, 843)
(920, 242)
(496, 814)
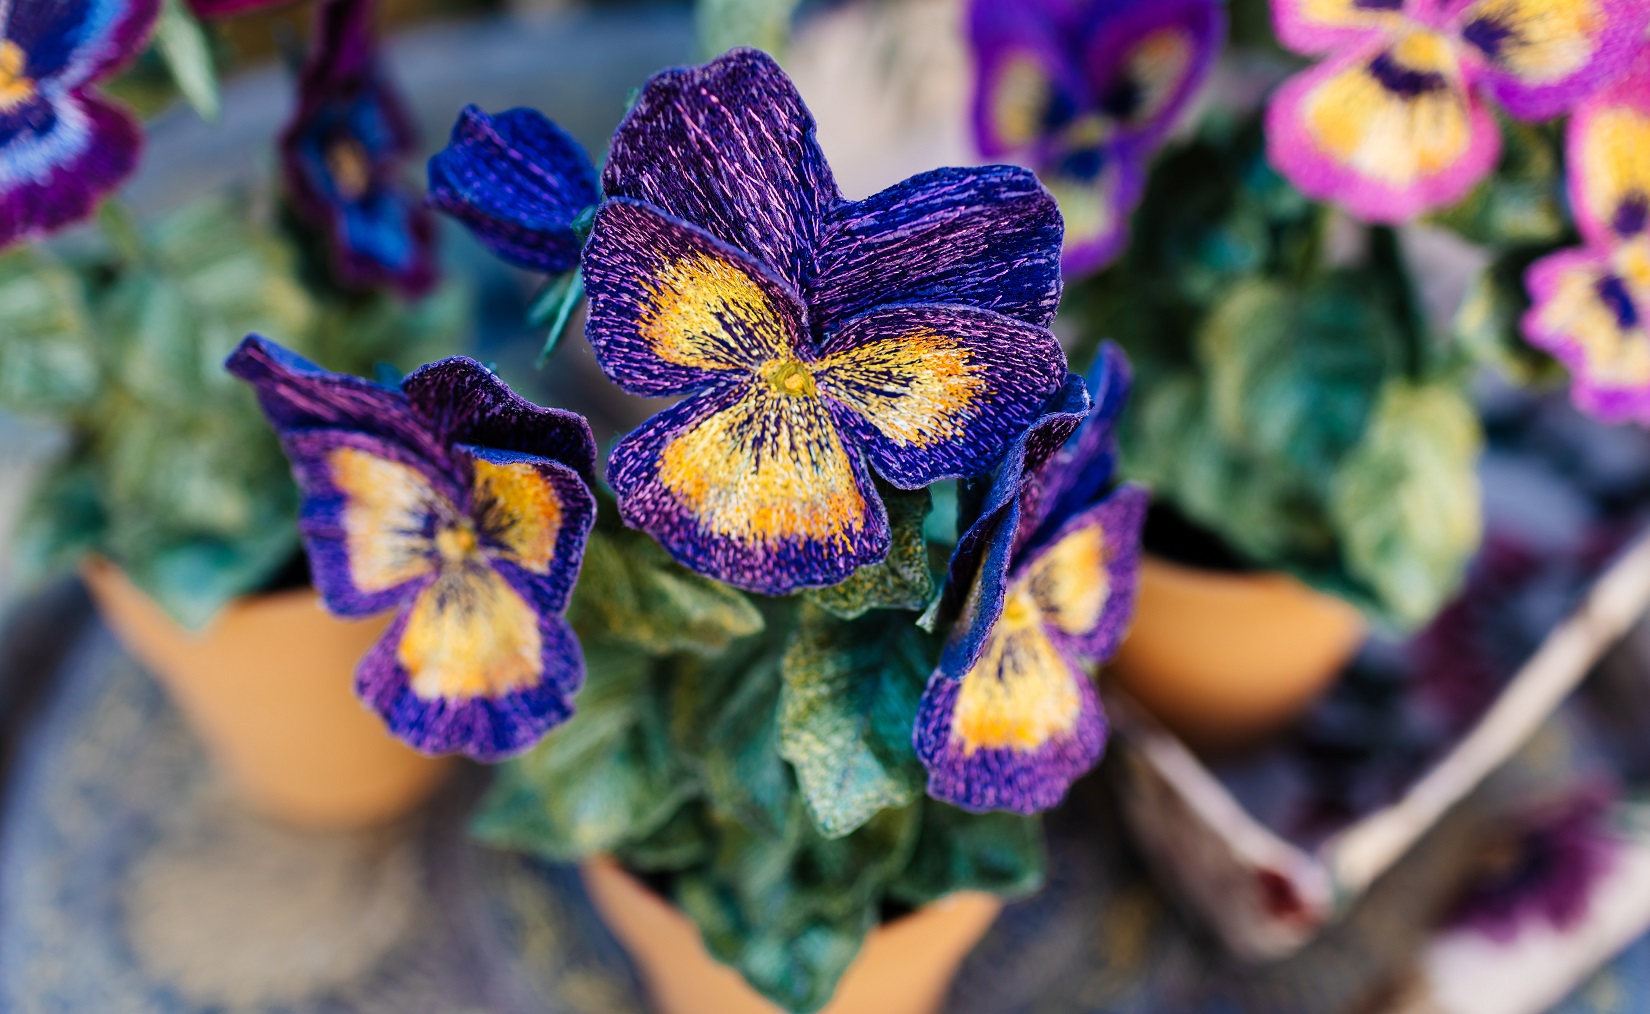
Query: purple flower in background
(1011, 717)
(1396, 119)
(1591, 305)
(341, 157)
(815, 338)
(518, 182)
(463, 507)
(1545, 868)
(1083, 91)
(230, 8)
(62, 146)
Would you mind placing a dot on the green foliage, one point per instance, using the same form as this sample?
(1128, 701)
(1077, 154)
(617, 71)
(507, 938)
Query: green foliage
(1522, 202)
(1001, 853)
(1487, 325)
(169, 469)
(846, 713)
(724, 24)
(183, 45)
(1269, 335)
(630, 590)
(903, 580)
(1406, 501)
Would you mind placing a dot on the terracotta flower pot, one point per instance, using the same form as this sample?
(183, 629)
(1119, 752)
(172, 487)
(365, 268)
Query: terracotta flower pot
(268, 688)
(1224, 659)
(905, 966)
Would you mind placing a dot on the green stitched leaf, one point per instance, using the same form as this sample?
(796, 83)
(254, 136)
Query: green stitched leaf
(601, 781)
(632, 592)
(1522, 201)
(184, 46)
(725, 24)
(902, 580)
(1407, 501)
(847, 711)
(1488, 324)
(1002, 853)
(48, 362)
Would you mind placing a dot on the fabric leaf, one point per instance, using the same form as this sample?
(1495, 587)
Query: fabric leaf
(1002, 853)
(846, 714)
(901, 581)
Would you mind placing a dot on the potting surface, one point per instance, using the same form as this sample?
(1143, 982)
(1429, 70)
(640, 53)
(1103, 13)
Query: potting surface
(130, 881)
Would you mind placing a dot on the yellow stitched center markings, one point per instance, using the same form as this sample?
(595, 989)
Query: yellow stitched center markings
(791, 377)
(350, 168)
(14, 86)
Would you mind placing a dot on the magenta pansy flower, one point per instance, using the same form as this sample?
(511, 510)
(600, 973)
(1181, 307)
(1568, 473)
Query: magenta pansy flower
(1083, 91)
(1396, 120)
(462, 507)
(1591, 305)
(63, 146)
(813, 340)
(1049, 570)
(342, 155)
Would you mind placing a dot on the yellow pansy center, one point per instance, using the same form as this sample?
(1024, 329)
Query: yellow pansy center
(790, 376)
(349, 167)
(457, 543)
(15, 87)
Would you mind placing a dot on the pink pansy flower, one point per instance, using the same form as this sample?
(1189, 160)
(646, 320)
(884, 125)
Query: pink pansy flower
(1395, 120)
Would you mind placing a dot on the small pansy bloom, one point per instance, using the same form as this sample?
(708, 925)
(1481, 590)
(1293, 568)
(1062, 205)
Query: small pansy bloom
(464, 508)
(1543, 868)
(518, 182)
(1011, 717)
(1396, 121)
(1591, 305)
(62, 146)
(1083, 91)
(341, 158)
(815, 338)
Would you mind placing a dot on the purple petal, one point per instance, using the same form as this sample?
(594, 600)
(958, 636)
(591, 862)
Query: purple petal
(730, 147)
(73, 43)
(296, 394)
(229, 8)
(534, 517)
(673, 309)
(1085, 575)
(985, 237)
(1349, 131)
(1538, 59)
(1586, 315)
(752, 486)
(1026, 83)
(463, 402)
(57, 160)
(980, 564)
(1014, 732)
(1086, 466)
(1096, 208)
(1145, 60)
(937, 392)
(1609, 181)
(1316, 27)
(370, 514)
(517, 181)
(449, 715)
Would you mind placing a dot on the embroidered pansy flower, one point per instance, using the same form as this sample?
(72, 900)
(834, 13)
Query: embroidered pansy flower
(341, 158)
(1011, 717)
(815, 339)
(518, 182)
(1395, 121)
(464, 508)
(1591, 305)
(62, 146)
(1082, 91)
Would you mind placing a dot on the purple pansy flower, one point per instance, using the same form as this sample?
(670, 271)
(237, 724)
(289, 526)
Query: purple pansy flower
(341, 156)
(1011, 717)
(816, 338)
(1395, 121)
(462, 506)
(62, 146)
(1083, 91)
(518, 182)
(1546, 868)
(1591, 305)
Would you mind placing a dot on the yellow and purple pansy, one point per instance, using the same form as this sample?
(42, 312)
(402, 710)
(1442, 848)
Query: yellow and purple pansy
(62, 146)
(815, 338)
(518, 182)
(341, 158)
(460, 505)
(1082, 91)
(1591, 305)
(1049, 570)
(1394, 122)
